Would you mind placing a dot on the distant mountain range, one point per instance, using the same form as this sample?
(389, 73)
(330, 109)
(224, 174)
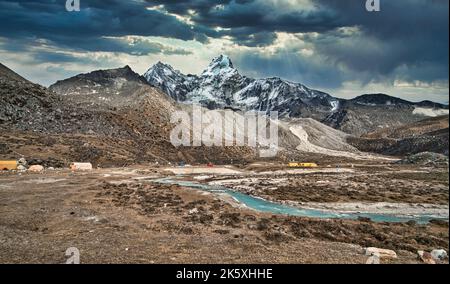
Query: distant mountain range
(118, 117)
(220, 85)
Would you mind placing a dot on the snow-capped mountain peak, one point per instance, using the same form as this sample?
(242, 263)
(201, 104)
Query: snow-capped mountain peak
(220, 85)
(160, 71)
(219, 64)
(169, 80)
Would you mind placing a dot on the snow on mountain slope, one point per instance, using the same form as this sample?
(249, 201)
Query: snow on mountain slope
(220, 66)
(431, 112)
(373, 112)
(289, 99)
(170, 81)
(220, 85)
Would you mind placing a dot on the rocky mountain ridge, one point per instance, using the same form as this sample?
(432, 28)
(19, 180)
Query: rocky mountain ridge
(221, 85)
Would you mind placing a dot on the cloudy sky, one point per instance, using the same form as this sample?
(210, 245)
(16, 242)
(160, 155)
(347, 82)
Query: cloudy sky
(331, 45)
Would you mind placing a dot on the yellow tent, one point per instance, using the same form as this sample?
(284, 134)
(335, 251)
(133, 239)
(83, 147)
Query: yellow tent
(302, 165)
(8, 165)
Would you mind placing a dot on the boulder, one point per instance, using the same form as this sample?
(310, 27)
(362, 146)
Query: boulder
(439, 254)
(36, 169)
(193, 211)
(382, 253)
(22, 162)
(21, 168)
(81, 166)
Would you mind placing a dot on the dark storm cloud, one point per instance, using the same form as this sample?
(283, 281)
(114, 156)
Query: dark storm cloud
(86, 29)
(136, 46)
(37, 53)
(258, 15)
(296, 68)
(406, 33)
(45, 56)
(407, 40)
(252, 23)
(251, 38)
(410, 33)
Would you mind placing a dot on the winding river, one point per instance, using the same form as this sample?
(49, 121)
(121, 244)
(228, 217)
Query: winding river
(261, 205)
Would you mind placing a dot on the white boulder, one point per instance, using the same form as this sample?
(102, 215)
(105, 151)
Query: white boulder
(382, 253)
(36, 169)
(81, 166)
(439, 254)
(21, 168)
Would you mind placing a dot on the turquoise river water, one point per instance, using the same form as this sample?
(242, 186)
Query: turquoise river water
(262, 205)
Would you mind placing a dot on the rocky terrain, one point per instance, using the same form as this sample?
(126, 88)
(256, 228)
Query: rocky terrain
(379, 112)
(315, 137)
(426, 159)
(30, 107)
(123, 212)
(429, 125)
(124, 121)
(429, 135)
(115, 117)
(122, 216)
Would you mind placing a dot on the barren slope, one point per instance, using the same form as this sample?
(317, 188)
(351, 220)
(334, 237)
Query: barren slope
(118, 124)
(429, 135)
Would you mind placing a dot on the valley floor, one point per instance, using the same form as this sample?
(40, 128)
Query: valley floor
(121, 215)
